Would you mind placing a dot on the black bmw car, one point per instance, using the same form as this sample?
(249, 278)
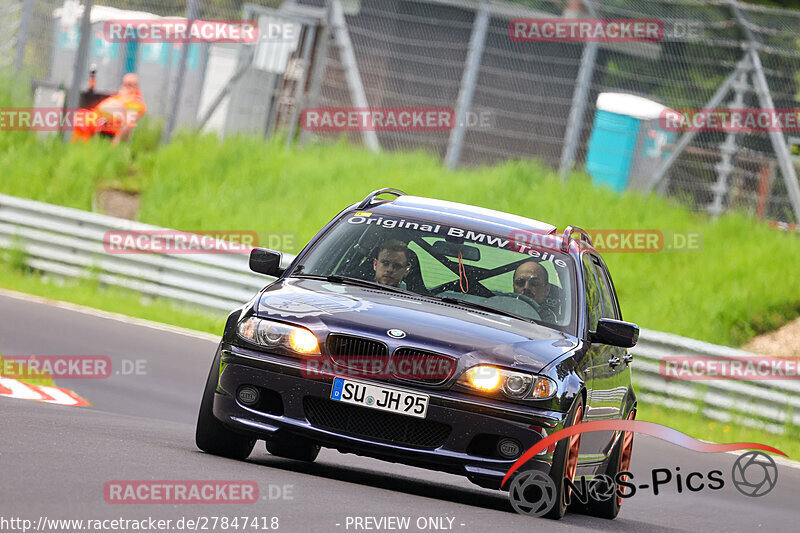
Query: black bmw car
(429, 333)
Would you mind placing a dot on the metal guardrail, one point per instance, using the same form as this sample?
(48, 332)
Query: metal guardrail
(770, 405)
(69, 242)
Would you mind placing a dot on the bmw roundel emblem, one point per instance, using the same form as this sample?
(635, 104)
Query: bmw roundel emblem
(396, 333)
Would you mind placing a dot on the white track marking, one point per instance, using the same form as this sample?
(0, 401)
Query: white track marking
(40, 393)
(58, 396)
(19, 390)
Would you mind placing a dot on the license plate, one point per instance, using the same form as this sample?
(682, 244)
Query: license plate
(380, 397)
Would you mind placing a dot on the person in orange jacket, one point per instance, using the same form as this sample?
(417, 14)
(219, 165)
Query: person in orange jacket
(114, 116)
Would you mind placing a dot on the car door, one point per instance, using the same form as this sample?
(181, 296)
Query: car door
(612, 373)
(609, 376)
(598, 378)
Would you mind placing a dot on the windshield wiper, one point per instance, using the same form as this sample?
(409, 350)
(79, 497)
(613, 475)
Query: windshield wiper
(482, 307)
(346, 280)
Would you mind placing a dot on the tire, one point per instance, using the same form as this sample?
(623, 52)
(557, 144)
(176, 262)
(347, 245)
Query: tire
(565, 463)
(212, 436)
(296, 448)
(620, 461)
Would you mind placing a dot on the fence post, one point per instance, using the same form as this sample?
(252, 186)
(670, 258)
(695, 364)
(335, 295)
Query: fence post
(728, 149)
(175, 90)
(578, 109)
(765, 101)
(350, 65)
(688, 136)
(299, 100)
(468, 81)
(81, 60)
(212, 107)
(777, 138)
(22, 34)
(320, 64)
(580, 98)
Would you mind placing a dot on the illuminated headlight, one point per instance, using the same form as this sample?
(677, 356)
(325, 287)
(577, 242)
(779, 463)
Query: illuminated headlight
(274, 334)
(517, 385)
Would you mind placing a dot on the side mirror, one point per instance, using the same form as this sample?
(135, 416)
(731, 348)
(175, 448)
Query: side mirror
(266, 261)
(616, 333)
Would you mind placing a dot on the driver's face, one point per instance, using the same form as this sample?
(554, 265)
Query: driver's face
(530, 279)
(390, 267)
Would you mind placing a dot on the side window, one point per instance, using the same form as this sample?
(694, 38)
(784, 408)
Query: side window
(610, 306)
(593, 302)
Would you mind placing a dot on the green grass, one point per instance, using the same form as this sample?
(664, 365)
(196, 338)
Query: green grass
(704, 428)
(739, 284)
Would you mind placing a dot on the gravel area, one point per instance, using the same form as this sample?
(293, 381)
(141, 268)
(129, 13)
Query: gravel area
(783, 342)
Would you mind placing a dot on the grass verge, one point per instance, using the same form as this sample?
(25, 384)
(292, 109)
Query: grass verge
(704, 428)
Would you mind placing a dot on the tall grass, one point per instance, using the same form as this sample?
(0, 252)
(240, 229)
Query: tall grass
(742, 282)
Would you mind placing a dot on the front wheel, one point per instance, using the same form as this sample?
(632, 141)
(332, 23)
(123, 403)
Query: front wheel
(565, 463)
(620, 461)
(298, 449)
(212, 436)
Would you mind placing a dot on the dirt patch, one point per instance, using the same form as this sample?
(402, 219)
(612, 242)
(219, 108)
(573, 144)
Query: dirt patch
(117, 203)
(783, 342)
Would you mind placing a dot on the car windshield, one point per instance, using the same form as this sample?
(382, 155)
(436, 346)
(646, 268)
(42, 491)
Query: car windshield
(478, 269)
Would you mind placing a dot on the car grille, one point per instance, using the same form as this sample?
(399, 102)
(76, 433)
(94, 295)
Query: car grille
(423, 367)
(374, 425)
(353, 352)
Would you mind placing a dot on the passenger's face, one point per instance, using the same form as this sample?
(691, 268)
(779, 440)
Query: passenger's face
(530, 279)
(390, 267)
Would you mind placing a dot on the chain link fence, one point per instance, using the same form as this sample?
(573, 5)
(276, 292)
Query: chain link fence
(512, 99)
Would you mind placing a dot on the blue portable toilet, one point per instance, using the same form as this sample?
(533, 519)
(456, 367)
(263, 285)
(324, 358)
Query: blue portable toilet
(627, 141)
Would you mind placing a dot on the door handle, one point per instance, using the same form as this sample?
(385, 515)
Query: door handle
(613, 362)
(628, 357)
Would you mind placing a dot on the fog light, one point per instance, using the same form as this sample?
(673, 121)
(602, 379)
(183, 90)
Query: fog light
(508, 448)
(248, 395)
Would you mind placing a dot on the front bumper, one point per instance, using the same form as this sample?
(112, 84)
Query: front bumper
(451, 438)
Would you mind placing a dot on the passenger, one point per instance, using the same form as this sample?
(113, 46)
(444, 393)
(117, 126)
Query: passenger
(391, 265)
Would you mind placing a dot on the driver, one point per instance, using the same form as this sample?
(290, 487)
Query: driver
(391, 265)
(531, 280)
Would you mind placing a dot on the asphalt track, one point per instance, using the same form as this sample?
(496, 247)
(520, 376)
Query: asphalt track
(55, 460)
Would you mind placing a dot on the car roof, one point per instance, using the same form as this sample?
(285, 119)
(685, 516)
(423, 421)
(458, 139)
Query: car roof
(459, 214)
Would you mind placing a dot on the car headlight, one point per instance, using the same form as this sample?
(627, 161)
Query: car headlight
(517, 385)
(275, 334)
